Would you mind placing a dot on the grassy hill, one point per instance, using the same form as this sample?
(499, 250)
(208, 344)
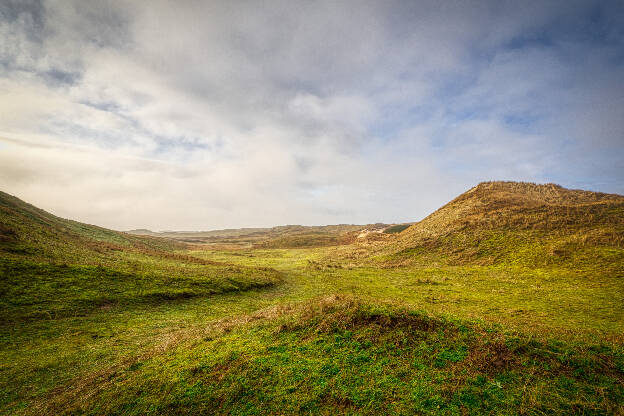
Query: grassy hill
(28, 230)
(55, 267)
(508, 300)
(511, 223)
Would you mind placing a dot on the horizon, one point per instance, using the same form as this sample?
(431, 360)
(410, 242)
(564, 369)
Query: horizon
(269, 227)
(211, 116)
(370, 223)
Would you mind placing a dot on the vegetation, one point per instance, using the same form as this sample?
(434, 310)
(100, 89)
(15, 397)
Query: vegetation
(396, 228)
(338, 355)
(519, 223)
(508, 300)
(41, 290)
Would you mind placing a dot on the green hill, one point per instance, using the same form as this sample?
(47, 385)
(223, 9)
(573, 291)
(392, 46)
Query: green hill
(28, 230)
(55, 267)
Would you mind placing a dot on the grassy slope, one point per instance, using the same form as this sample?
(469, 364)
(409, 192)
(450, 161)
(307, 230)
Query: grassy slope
(488, 341)
(588, 304)
(523, 224)
(341, 356)
(28, 230)
(55, 267)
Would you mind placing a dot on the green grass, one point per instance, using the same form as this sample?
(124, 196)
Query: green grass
(341, 356)
(396, 228)
(46, 291)
(190, 355)
(588, 302)
(75, 298)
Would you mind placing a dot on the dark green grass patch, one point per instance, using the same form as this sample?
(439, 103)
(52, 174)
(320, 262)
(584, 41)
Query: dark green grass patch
(396, 228)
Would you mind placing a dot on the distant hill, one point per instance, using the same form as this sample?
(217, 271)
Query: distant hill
(284, 236)
(141, 231)
(522, 223)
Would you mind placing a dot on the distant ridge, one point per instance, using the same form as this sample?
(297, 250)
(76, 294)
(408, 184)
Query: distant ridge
(282, 236)
(141, 231)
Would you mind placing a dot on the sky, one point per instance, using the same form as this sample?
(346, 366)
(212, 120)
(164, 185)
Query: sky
(197, 115)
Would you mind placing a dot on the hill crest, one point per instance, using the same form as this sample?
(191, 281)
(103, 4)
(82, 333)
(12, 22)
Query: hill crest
(532, 194)
(523, 222)
(498, 200)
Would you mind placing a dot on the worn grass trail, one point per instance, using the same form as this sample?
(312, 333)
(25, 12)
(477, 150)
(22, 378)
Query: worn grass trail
(55, 355)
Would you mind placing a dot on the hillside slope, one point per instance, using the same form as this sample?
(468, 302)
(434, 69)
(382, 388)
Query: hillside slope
(50, 266)
(28, 230)
(338, 355)
(518, 223)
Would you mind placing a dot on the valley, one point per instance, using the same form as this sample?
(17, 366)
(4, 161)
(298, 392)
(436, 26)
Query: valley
(507, 300)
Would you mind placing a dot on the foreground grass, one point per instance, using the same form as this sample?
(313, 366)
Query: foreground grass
(496, 343)
(340, 356)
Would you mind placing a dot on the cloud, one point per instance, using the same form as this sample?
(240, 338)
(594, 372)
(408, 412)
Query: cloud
(200, 115)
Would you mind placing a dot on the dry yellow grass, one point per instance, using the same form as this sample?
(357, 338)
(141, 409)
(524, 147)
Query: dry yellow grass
(496, 220)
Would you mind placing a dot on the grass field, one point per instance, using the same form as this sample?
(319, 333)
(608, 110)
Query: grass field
(146, 326)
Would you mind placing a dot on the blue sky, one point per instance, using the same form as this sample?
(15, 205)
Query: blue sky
(203, 115)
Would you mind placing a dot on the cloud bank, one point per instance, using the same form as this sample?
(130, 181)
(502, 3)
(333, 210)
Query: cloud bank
(201, 115)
